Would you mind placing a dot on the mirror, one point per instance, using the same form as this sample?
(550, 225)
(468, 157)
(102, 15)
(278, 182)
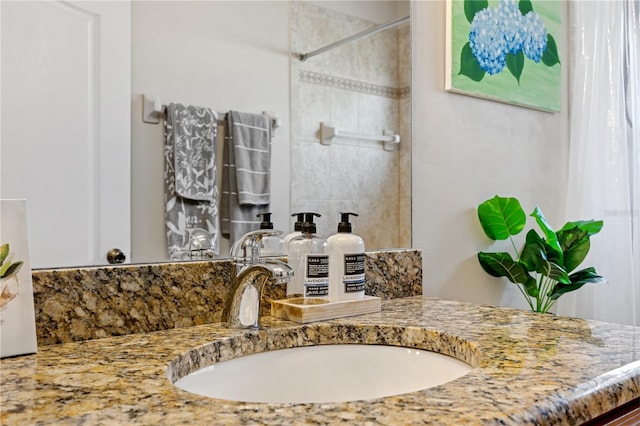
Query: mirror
(231, 55)
(360, 88)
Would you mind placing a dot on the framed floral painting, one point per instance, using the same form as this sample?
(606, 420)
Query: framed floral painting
(17, 316)
(506, 50)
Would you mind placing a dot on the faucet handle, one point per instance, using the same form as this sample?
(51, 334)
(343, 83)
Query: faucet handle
(247, 247)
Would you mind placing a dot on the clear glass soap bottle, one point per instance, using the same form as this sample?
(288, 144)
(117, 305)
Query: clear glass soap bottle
(270, 245)
(310, 262)
(297, 230)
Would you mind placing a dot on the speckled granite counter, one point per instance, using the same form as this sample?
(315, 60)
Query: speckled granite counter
(529, 369)
(75, 304)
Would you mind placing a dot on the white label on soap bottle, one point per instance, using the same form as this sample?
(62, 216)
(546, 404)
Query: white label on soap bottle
(316, 277)
(353, 278)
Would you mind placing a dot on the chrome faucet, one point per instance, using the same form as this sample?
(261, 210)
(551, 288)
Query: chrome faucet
(249, 274)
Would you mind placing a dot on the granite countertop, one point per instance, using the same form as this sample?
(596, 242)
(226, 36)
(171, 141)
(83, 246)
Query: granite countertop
(528, 369)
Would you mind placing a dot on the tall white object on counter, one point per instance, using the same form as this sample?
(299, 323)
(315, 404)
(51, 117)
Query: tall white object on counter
(346, 262)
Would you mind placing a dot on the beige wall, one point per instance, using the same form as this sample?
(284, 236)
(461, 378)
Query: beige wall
(466, 150)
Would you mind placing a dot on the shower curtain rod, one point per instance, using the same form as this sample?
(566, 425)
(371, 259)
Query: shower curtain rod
(304, 56)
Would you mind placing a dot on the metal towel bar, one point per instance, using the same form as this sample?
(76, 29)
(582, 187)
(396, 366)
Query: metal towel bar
(153, 111)
(328, 133)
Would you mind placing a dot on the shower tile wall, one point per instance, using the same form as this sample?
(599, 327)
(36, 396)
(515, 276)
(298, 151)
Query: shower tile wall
(360, 87)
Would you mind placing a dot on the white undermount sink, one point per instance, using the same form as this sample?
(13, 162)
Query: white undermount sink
(324, 373)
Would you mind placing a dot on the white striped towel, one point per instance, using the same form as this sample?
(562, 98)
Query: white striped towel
(249, 179)
(252, 151)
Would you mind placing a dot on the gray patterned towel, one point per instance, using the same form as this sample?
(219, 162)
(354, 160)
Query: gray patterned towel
(191, 195)
(194, 139)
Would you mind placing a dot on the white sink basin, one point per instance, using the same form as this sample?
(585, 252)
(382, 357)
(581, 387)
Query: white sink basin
(324, 373)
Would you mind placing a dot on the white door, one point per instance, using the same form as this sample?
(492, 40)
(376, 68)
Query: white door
(65, 126)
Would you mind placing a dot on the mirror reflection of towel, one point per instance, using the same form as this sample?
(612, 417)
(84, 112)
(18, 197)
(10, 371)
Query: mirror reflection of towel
(191, 194)
(246, 174)
(194, 150)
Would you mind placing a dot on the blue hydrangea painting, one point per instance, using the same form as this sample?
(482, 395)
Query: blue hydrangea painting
(506, 50)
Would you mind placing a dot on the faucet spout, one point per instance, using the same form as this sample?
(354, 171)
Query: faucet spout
(242, 308)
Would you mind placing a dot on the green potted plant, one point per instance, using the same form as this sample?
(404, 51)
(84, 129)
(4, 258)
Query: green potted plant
(543, 269)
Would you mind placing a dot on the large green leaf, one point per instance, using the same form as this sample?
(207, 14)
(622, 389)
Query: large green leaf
(534, 256)
(574, 240)
(515, 64)
(574, 255)
(556, 272)
(501, 217)
(4, 252)
(550, 56)
(553, 255)
(578, 279)
(591, 227)
(549, 233)
(533, 251)
(471, 7)
(502, 265)
(469, 65)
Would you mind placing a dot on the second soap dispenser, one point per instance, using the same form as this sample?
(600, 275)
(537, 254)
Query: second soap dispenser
(310, 263)
(270, 245)
(346, 262)
(297, 230)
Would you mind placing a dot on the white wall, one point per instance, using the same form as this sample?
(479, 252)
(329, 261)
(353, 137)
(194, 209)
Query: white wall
(221, 54)
(466, 150)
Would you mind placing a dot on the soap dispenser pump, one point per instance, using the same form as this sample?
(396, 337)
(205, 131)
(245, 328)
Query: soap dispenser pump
(297, 230)
(346, 262)
(310, 263)
(270, 245)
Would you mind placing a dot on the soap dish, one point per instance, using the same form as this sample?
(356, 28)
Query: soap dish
(303, 311)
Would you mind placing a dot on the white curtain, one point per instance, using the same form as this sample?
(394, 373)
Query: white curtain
(604, 157)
